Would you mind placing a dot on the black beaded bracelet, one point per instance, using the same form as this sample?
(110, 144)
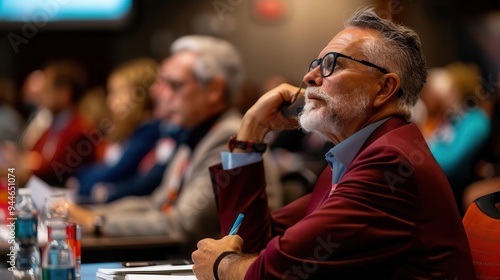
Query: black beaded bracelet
(219, 259)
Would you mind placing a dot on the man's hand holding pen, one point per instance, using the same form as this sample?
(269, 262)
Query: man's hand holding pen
(209, 251)
(214, 254)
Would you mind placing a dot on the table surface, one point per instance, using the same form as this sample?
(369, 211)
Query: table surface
(119, 249)
(88, 271)
(92, 243)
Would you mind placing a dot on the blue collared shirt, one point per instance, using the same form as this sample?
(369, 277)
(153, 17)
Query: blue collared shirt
(234, 160)
(342, 155)
(339, 157)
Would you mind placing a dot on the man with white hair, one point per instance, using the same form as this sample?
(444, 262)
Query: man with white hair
(383, 209)
(198, 84)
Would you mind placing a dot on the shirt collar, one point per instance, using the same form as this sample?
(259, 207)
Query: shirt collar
(346, 150)
(169, 129)
(195, 135)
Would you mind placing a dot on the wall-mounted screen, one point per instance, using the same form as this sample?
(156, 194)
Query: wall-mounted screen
(65, 13)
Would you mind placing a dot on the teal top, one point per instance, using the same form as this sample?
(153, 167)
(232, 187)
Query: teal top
(457, 142)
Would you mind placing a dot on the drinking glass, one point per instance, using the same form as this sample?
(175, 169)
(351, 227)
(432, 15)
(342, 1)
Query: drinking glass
(55, 209)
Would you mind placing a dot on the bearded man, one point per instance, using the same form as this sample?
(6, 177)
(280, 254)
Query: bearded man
(382, 209)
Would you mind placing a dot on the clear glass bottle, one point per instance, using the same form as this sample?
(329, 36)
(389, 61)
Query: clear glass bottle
(26, 236)
(58, 260)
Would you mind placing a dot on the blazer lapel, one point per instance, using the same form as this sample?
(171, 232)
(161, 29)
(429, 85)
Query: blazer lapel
(389, 125)
(324, 188)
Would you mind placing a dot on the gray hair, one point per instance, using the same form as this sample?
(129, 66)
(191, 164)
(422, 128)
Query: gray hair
(399, 51)
(215, 58)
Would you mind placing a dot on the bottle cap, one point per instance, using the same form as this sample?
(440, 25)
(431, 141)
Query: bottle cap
(24, 191)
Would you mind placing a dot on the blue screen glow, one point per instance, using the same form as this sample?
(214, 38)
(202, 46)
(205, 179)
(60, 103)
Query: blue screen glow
(63, 10)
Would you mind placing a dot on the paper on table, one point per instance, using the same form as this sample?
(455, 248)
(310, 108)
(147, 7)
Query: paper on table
(154, 269)
(102, 276)
(159, 277)
(39, 190)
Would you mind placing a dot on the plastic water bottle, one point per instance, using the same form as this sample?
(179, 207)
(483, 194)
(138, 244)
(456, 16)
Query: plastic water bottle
(58, 261)
(78, 253)
(26, 237)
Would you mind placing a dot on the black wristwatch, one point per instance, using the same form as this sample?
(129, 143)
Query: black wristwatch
(98, 224)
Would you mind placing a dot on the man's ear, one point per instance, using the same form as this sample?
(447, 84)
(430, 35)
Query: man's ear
(216, 90)
(390, 85)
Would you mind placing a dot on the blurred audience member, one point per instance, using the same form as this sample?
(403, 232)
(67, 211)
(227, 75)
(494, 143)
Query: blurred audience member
(31, 93)
(38, 118)
(489, 169)
(456, 127)
(93, 108)
(64, 146)
(132, 135)
(131, 132)
(128, 98)
(199, 84)
(438, 99)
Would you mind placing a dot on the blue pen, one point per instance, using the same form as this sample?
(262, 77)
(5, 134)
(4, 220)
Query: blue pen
(237, 224)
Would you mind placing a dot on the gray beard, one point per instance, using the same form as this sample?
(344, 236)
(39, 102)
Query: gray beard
(340, 111)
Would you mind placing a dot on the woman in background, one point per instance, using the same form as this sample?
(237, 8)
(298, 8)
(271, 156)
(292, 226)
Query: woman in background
(456, 127)
(130, 135)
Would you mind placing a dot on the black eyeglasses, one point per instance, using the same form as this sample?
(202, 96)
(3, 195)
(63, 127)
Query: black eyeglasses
(328, 62)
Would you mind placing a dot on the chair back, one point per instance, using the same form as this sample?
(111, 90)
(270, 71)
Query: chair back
(482, 224)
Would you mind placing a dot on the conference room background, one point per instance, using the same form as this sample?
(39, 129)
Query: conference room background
(274, 36)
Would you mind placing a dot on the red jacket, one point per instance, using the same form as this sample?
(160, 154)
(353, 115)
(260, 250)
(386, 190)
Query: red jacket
(72, 147)
(391, 216)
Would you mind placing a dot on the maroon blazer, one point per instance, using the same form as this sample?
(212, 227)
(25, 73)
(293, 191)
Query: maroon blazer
(391, 216)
